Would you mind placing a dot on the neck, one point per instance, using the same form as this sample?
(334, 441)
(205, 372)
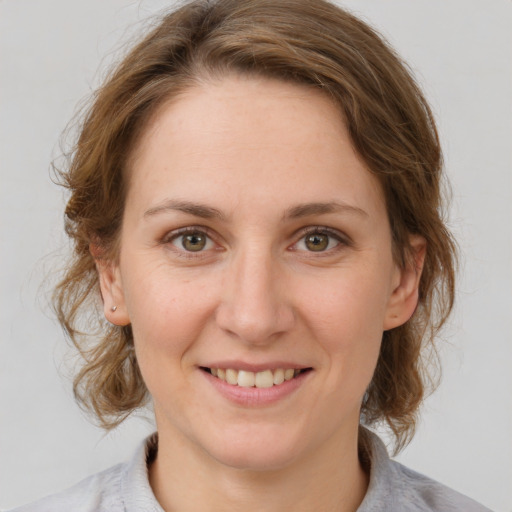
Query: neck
(330, 478)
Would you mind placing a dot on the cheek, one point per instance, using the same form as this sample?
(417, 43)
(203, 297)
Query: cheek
(347, 307)
(167, 311)
(346, 316)
(168, 316)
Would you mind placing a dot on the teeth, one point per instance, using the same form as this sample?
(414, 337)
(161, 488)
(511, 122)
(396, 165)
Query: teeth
(246, 379)
(264, 379)
(231, 376)
(278, 376)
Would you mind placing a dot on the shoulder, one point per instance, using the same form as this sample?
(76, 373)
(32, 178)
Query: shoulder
(98, 493)
(396, 488)
(428, 495)
(122, 488)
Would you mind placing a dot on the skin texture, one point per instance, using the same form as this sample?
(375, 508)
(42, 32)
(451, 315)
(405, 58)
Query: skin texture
(256, 151)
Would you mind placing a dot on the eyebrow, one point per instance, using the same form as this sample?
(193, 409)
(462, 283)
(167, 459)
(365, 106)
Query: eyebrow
(295, 212)
(304, 210)
(196, 209)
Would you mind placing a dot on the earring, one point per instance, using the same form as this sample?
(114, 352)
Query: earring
(113, 309)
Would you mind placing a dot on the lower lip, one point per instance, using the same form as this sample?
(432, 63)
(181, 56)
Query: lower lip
(254, 397)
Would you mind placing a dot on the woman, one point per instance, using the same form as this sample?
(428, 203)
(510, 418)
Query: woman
(256, 206)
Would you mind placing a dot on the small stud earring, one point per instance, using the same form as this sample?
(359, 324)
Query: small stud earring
(113, 309)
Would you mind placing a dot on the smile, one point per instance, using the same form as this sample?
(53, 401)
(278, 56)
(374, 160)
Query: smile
(263, 379)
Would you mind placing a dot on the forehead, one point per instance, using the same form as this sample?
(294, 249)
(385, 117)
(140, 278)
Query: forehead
(249, 138)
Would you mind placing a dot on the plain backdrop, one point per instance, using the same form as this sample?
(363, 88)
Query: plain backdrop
(53, 54)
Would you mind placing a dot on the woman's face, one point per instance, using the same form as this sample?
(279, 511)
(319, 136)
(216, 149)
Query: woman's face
(254, 241)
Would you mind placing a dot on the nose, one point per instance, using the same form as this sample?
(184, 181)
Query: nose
(254, 306)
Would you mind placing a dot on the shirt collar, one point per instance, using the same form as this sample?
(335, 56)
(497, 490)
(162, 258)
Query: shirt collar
(384, 489)
(383, 492)
(136, 492)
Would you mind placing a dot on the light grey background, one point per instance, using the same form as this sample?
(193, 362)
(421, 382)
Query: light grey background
(51, 51)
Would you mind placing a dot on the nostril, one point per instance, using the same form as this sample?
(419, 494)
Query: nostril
(258, 324)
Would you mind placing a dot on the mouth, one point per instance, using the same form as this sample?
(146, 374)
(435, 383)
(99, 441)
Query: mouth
(263, 379)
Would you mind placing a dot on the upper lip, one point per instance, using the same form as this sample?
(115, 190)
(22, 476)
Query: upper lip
(254, 367)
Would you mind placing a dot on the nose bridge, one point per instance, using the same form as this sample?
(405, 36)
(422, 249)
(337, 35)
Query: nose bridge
(253, 306)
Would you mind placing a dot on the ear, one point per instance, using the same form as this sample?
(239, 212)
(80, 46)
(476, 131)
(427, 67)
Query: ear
(111, 286)
(405, 295)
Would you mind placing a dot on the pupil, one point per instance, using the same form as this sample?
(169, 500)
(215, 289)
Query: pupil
(194, 242)
(317, 242)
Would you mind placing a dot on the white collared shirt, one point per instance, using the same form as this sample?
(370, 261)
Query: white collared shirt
(125, 488)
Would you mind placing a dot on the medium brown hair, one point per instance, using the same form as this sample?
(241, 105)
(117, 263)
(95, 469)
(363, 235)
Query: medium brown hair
(391, 127)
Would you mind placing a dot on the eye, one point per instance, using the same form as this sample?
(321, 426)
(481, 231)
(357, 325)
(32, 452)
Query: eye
(318, 240)
(192, 241)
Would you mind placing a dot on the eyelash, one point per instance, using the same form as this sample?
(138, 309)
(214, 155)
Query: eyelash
(341, 240)
(189, 230)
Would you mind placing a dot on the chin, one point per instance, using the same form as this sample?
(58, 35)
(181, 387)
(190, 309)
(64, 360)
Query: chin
(254, 460)
(256, 451)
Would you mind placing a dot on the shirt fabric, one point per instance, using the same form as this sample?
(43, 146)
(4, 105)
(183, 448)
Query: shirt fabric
(125, 488)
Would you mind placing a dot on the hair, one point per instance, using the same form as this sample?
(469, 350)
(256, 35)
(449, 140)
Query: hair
(391, 127)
